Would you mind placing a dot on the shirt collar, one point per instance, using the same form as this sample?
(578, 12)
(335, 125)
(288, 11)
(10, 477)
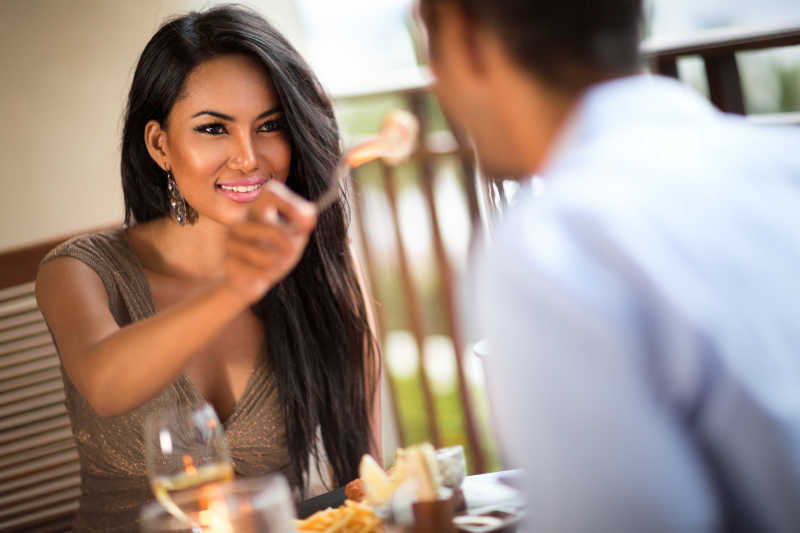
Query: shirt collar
(622, 103)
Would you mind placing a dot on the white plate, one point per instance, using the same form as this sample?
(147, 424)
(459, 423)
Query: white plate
(486, 490)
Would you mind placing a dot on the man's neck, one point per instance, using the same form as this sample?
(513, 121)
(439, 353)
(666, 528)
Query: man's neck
(536, 116)
(531, 113)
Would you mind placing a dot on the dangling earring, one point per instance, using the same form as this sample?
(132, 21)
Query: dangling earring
(177, 205)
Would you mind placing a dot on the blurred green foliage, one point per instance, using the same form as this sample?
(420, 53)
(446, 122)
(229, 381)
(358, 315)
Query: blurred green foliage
(450, 417)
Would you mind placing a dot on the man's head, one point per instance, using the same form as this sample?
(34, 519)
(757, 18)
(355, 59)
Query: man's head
(509, 70)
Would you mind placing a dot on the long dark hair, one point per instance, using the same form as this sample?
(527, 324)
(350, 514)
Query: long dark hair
(321, 348)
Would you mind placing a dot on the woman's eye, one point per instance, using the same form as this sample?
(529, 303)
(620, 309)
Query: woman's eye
(211, 129)
(273, 125)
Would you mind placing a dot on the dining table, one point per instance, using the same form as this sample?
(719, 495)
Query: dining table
(494, 494)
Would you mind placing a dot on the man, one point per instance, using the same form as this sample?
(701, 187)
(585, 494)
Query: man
(643, 313)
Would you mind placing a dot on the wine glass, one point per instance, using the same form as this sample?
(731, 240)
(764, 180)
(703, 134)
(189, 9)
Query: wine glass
(185, 448)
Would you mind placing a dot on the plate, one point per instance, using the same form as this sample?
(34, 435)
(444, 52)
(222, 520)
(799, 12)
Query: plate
(491, 489)
(489, 519)
(334, 499)
(492, 505)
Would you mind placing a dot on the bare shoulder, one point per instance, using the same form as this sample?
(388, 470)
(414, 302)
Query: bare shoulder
(64, 274)
(74, 303)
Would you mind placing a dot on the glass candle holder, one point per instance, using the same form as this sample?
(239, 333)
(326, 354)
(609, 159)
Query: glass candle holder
(255, 505)
(452, 466)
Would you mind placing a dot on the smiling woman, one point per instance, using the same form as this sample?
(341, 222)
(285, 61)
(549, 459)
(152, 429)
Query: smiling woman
(205, 294)
(224, 138)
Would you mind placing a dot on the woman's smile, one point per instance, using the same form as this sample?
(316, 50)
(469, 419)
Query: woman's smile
(227, 130)
(241, 190)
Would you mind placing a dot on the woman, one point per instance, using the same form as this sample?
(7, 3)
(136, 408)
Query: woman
(206, 294)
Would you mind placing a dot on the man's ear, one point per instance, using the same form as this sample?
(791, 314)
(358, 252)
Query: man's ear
(155, 139)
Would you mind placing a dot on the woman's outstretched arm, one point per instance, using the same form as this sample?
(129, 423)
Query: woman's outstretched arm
(117, 369)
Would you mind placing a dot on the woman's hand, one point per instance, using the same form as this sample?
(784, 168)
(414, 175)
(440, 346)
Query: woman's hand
(264, 247)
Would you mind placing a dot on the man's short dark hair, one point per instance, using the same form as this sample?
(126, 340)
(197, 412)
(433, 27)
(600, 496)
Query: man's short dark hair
(565, 43)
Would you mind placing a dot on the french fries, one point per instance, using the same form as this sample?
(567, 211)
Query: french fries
(352, 517)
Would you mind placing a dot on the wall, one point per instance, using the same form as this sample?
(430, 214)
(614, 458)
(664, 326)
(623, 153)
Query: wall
(66, 68)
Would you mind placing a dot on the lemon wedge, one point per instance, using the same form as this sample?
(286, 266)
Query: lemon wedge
(378, 488)
(419, 463)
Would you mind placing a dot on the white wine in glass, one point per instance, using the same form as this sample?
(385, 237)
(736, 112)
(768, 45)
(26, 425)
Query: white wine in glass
(185, 449)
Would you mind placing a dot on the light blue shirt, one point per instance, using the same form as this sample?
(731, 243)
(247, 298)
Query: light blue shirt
(643, 316)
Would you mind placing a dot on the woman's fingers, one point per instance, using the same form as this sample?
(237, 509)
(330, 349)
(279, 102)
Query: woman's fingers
(262, 234)
(268, 243)
(262, 257)
(277, 204)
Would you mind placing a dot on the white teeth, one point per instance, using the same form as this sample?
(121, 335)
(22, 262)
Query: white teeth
(240, 188)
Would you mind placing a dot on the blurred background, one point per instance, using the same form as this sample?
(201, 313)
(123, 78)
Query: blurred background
(67, 66)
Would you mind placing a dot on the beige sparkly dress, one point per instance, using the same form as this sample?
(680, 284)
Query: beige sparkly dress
(114, 485)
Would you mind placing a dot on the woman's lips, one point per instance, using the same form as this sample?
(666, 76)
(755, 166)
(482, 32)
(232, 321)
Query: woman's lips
(241, 191)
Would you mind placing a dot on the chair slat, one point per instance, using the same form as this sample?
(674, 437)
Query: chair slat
(33, 408)
(21, 332)
(37, 478)
(46, 427)
(33, 353)
(45, 465)
(54, 525)
(39, 461)
(33, 378)
(33, 391)
(50, 486)
(56, 434)
(38, 456)
(17, 306)
(55, 505)
(20, 319)
(17, 291)
(36, 414)
(36, 365)
(29, 343)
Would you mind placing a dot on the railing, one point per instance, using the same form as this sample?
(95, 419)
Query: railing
(433, 146)
(718, 49)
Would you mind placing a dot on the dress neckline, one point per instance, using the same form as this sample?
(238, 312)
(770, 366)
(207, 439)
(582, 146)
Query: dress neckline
(184, 379)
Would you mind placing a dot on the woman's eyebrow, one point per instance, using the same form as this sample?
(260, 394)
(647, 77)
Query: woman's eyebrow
(269, 112)
(217, 114)
(223, 116)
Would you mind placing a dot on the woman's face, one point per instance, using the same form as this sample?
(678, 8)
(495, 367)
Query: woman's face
(225, 137)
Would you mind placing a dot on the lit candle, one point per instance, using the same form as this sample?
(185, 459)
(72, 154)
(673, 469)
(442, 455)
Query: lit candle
(215, 517)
